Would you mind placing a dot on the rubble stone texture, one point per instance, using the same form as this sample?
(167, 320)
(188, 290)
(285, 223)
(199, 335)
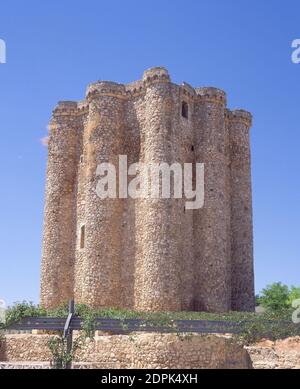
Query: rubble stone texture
(278, 354)
(148, 254)
(138, 351)
(26, 351)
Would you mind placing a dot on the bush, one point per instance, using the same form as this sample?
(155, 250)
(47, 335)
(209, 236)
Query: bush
(269, 325)
(293, 295)
(22, 309)
(275, 297)
(27, 309)
(61, 358)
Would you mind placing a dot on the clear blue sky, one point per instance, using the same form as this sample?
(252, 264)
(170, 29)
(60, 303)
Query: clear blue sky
(55, 48)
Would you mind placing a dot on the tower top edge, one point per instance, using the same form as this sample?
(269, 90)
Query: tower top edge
(158, 74)
(70, 108)
(240, 115)
(158, 71)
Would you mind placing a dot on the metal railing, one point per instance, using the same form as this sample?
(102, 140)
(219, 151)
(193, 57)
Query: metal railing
(123, 326)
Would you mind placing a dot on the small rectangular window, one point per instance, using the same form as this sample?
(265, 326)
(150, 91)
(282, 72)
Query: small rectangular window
(82, 237)
(185, 110)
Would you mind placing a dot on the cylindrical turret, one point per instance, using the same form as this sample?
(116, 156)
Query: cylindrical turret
(212, 222)
(239, 123)
(100, 236)
(60, 206)
(79, 280)
(157, 282)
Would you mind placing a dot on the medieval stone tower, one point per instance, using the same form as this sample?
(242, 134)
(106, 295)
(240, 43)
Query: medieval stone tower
(148, 254)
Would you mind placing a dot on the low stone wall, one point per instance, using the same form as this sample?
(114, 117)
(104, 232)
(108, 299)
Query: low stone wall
(24, 365)
(147, 350)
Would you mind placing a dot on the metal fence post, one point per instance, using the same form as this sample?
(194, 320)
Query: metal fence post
(68, 332)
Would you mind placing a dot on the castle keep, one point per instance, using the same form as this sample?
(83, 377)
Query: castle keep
(148, 254)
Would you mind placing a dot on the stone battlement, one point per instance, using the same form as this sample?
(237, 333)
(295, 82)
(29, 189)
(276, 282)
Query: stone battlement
(127, 91)
(241, 115)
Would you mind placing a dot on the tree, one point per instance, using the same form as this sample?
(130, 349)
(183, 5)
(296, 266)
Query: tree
(294, 294)
(257, 300)
(275, 297)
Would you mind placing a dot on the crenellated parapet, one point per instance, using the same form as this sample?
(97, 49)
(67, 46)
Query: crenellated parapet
(82, 107)
(65, 108)
(135, 89)
(210, 94)
(240, 115)
(105, 88)
(187, 91)
(154, 75)
(68, 109)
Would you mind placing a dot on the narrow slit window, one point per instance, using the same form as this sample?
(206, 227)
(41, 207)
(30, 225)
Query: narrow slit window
(81, 159)
(82, 237)
(185, 110)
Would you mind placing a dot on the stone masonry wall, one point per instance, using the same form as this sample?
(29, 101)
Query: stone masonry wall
(136, 351)
(58, 255)
(212, 222)
(241, 212)
(155, 350)
(148, 254)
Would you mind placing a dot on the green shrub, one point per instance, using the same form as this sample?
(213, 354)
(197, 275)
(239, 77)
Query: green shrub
(268, 327)
(61, 358)
(22, 309)
(275, 297)
(293, 295)
(88, 317)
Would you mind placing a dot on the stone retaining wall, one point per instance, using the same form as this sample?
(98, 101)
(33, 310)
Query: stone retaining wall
(135, 351)
(26, 351)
